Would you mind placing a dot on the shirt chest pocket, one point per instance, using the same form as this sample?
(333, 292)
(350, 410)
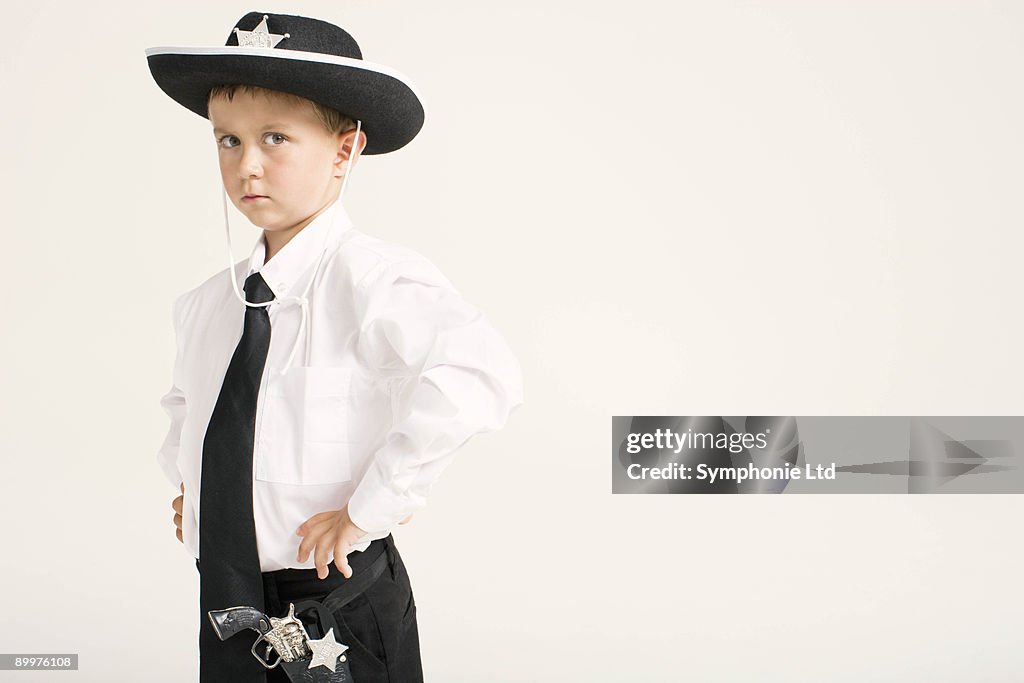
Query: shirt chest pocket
(304, 436)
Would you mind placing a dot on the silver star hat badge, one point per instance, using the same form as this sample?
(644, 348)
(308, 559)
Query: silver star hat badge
(326, 651)
(259, 36)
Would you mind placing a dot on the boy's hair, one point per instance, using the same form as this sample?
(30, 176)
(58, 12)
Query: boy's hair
(334, 121)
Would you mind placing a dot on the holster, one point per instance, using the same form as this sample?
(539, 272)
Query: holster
(317, 619)
(298, 671)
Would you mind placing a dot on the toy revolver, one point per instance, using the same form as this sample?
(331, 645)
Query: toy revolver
(304, 660)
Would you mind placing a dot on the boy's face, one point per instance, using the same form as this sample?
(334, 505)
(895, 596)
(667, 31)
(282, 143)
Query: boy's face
(280, 166)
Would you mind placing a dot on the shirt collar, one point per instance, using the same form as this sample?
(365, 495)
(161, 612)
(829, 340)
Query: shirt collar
(300, 252)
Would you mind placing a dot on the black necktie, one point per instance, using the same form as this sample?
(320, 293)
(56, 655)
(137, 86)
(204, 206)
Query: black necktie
(229, 565)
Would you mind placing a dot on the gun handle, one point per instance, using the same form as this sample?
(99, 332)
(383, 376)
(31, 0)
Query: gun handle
(228, 622)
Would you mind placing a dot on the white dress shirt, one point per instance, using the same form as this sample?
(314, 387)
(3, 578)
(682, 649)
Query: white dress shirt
(394, 372)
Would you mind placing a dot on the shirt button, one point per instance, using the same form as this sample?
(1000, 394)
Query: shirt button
(280, 285)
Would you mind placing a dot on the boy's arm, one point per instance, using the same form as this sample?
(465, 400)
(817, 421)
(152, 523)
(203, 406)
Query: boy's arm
(451, 375)
(173, 404)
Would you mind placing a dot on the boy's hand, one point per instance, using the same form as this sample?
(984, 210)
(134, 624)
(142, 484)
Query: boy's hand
(177, 504)
(325, 531)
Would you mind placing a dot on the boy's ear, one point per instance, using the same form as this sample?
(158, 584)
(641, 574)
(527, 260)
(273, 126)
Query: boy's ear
(345, 142)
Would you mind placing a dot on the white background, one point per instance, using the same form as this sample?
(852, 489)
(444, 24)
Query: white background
(714, 208)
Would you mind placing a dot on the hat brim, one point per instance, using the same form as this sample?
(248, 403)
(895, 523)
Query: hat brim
(384, 100)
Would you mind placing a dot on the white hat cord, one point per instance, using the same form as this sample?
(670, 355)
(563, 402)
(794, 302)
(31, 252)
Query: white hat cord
(303, 299)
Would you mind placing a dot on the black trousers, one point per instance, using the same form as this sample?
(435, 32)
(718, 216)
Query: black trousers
(378, 625)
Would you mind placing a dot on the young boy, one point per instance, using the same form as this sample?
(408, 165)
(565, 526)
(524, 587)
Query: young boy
(313, 412)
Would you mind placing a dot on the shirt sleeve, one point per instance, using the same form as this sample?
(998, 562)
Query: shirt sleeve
(451, 376)
(173, 404)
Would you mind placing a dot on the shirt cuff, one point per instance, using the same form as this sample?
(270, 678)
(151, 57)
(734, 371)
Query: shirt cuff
(173, 404)
(375, 507)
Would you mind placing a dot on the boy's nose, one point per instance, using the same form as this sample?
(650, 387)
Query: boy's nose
(250, 166)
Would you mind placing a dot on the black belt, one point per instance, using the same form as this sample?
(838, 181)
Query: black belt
(360, 581)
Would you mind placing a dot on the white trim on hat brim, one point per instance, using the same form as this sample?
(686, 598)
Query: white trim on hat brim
(298, 55)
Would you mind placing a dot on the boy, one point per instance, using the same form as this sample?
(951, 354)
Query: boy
(313, 413)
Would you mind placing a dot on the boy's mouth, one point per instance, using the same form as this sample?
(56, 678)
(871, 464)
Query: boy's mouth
(253, 197)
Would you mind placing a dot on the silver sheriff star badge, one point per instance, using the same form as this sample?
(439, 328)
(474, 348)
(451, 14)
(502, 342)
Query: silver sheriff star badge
(326, 651)
(259, 36)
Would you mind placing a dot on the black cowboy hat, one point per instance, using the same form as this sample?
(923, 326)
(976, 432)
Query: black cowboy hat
(299, 55)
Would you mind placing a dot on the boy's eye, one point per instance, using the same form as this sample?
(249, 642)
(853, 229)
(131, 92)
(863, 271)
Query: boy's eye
(229, 141)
